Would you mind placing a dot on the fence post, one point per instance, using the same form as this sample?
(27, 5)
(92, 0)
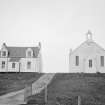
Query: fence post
(27, 92)
(46, 95)
(79, 100)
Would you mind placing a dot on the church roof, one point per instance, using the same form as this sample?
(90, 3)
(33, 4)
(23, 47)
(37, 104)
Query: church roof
(89, 47)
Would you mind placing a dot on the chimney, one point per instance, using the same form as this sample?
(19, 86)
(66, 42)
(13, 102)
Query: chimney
(39, 45)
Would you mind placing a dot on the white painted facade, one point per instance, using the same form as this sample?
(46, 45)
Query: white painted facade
(89, 57)
(30, 61)
(34, 63)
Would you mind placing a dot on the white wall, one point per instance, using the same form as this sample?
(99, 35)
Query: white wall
(34, 65)
(6, 67)
(16, 69)
(85, 53)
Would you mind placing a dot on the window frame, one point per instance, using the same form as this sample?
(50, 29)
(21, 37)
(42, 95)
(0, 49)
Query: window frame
(4, 55)
(28, 65)
(3, 64)
(77, 60)
(13, 66)
(29, 53)
(90, 63)
(102, 61)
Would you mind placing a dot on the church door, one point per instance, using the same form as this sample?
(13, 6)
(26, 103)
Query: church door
(90, 65)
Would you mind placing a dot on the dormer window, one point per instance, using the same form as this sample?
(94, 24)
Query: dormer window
(29, 53)
(3, 53)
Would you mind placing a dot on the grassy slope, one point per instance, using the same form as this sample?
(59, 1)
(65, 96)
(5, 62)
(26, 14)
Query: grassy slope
(15, 81)
(91, 87)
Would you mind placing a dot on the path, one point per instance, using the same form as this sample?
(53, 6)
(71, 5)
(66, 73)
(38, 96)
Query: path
(16, 98)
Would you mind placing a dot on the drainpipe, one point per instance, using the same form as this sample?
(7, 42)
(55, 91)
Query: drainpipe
(19, 67)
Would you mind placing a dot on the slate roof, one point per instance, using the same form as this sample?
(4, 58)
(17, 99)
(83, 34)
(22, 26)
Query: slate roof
(20, 52)
(14, 59)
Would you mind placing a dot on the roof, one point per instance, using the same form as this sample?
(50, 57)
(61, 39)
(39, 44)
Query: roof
(89, 45)
(14, 60)
(21, 51)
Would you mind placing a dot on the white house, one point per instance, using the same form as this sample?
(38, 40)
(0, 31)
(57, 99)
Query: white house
(20, 59)
(89, 57)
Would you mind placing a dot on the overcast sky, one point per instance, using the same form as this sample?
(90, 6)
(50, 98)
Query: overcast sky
(58, 24)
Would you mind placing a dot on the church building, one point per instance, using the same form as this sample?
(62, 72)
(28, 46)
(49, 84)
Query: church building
(20, 59)
(89, 57)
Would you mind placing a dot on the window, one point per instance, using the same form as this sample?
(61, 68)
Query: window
(13, 65)
(90, 63)
(102, 61)
(3, 64)
(77, 60)
(29, 53)
(28, 65)
(4, 53)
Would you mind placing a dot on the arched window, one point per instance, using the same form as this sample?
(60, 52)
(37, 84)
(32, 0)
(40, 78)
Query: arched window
(29, 54)
(77, 61)
(13, 65)
(102, 61)
(90, 63)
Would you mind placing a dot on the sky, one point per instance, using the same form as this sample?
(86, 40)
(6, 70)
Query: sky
(58, 24)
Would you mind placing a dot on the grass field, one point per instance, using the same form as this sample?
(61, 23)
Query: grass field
(90, 87)
(64, 87)
(10, 82)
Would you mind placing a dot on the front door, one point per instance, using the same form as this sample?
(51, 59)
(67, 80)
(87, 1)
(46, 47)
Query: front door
(90, 65)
